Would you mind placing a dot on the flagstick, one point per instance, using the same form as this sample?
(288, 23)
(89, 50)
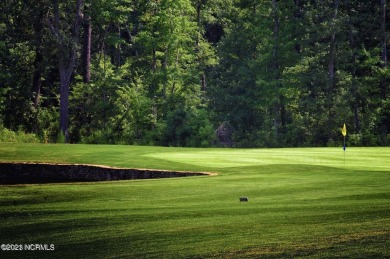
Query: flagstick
(344, 151)
(344, 132)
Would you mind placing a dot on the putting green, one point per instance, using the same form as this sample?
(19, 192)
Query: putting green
(334, 157)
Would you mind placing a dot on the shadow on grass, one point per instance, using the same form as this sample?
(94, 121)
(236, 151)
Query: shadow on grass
(366, 245)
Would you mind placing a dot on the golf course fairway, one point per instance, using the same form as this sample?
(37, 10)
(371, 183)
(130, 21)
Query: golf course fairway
(302, 202)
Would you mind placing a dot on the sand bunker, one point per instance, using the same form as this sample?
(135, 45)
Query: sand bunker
(26, 173)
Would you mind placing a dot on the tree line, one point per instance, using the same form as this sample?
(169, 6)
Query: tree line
(169, 72)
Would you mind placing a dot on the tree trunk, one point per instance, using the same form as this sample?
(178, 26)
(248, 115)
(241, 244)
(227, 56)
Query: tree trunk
(354, 87)
(117, 54)
(198, 12)
(154, 60)
(37, 78)
(87, 49)
(66, 61)
(197, 43)
(37, 82)
(297, 17)
(277, 115)
(65, 77)
(332, 49)
(331, 88)
(384, 48)
(383, 82)
(203, 81)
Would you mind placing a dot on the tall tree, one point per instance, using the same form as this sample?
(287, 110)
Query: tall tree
(167, 41)
(352, 37)
(235, 94)
(21, 35)
(383, 44)
(205, 22)
(38, 26)
(67, 50)
(332, 46)
(384, 122)
(277, 104)
(87, 41)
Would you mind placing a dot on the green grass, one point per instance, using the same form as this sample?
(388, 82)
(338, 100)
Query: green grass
(302, 203)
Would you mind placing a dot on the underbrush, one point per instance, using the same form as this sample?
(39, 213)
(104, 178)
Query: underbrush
(20, 136)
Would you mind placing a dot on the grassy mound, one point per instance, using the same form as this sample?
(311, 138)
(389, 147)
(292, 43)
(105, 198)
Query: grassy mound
(302, 202)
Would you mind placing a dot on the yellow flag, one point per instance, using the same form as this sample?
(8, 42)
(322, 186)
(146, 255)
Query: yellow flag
(344, 130)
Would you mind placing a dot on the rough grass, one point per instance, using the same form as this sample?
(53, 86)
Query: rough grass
(302, 203)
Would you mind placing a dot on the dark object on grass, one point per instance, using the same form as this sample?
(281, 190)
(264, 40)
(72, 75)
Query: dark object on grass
(244, 199)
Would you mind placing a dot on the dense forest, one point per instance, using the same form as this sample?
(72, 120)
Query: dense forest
(170, 72)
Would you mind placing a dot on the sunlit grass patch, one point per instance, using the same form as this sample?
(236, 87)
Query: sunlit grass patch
(302, 202)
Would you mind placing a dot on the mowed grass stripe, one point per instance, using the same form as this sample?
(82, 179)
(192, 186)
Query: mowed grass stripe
(310, 210)
(222, 158)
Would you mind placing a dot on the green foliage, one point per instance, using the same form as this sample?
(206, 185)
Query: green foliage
(283, 73)
(92, 104)
(99, 137)
(177, 131)
(19, 136)
(188, 128)
(60, 138)
(47, 125)
(203, 130)
(111, 110)
(136, 119)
